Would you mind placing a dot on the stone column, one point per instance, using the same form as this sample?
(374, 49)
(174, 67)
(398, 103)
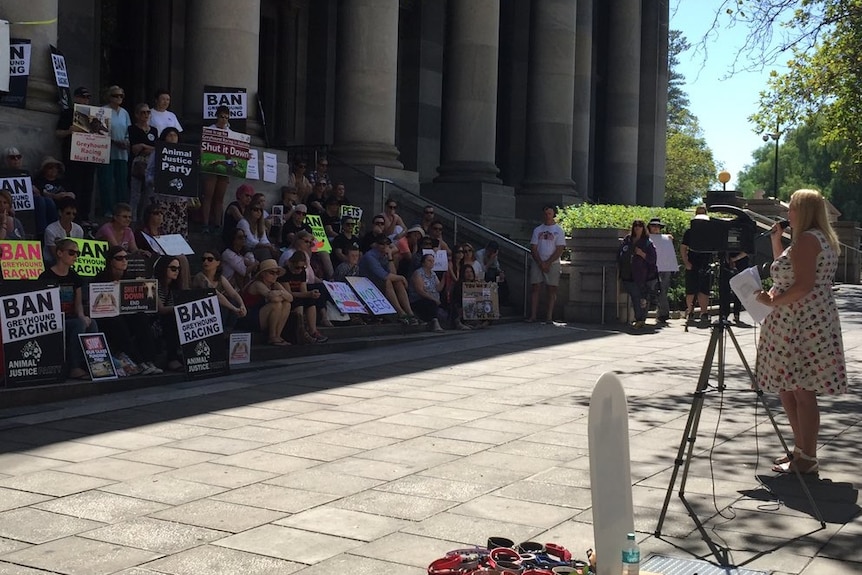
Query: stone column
(470, 98)
(584, 90)
(222, 49)
(623, 93)
(41, 86)
(550, 107)
(366, 82)
(652, 136)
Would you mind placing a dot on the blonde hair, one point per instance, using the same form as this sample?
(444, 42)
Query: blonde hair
(811, 214)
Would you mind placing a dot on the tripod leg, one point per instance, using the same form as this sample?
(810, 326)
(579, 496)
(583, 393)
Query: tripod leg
(761, 397)
(689, 435)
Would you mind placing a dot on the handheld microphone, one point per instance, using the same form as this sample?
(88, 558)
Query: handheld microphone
(784, 225)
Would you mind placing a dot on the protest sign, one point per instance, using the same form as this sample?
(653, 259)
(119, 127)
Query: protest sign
(91, 134)
(98, 356)
(169, 245)
(224, 152)
(5, 41)
(441, 259)
(270, 167)
(240, 348)
(104, 298)
(91, 259)
(321, 242)
(370, 295)
(344, 298)
(176, 169)
(21, 189)
(19, 73)
(61, 77)
(201, 334)
(251, 171)
(21, 260)
(352, 211)
(236, 100)
(138, 296)
(480, 300)
(32, 328)
(277, 215)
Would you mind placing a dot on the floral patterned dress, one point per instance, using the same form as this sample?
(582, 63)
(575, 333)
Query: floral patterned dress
(800, 345)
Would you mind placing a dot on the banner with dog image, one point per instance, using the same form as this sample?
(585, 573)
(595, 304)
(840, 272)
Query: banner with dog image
(177, 167)
(33, 337)
(224, 152)
(91, 134)
(199, 325)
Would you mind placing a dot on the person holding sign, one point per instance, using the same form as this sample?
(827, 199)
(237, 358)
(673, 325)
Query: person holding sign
(425, 288)
(176, 208)
(11, 227)
(142, 139)
(268, 303)
(306, 301)
(128, 334)
(212, 204)
(378, 265)
(167, 272)
(76, 321)
(230, 302)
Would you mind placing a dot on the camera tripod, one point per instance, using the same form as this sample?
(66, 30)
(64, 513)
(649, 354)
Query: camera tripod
(717, 343)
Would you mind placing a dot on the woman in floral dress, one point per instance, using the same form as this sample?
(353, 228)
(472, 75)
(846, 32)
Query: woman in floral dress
(801, 353)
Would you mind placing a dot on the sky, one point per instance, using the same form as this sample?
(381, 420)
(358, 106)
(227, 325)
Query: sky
(721, 103)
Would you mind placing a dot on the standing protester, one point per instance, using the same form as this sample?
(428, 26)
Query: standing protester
(214, 186)
(161, 117)
(546, 247)
(801, 351)
(638, 271)
(114, 177)
(667, 265)
(79, 176)
(696, 272)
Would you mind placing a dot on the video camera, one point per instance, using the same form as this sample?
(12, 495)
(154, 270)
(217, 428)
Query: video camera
(717, 235)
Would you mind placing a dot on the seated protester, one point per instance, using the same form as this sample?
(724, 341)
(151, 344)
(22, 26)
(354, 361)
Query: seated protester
(65, 227)
(453, 275)
(408, 251)
(489, 257)
(344, 241)
(424, 290)
(230, 302)
(299, 180)
(11, 227)
(129, 335)
(466, 274)
(435, 230)
(50, 180)
(395, 227)
(176, 208)
(303, 242)
(294, 224)
(118, 231)
(152, 225)
(289, 200)
(316, 200)
(470, 258)
(339, 192)
(256, 240)
(305, 301)
(167, 272)
(268, 303)
(350, 267)
(367, 241)
(238, 264)
(425, 245)
(44, 209)
(378, 265)
(259, 200)
(427, 218)
(76, 321)
(234, 212)
(332, 218)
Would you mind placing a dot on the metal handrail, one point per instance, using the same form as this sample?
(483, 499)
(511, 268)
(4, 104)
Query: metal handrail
(456, 218)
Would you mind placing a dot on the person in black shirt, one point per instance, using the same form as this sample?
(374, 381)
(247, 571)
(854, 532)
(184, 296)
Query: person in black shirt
(293, 225)
(342, 243)
(697, 278)
(79, 176)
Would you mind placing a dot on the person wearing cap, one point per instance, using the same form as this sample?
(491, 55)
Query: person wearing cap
(697, 279)
(268, 303)
(345, 240)
(296, 223)
(378, 265)
(114, 177)
(160, 116)
(79, 176)
(666, 263)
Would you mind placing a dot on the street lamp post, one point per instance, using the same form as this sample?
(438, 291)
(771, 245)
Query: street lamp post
(774, 136)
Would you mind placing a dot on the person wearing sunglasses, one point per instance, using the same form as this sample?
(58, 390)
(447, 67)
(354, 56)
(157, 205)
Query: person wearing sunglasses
(153, 227)
(394, 226)
(637, 268)
(114, 177)
(238, 265)
(76, 321)
(210, 277)
(235, 210)
(65, 227)
(294, 224)
(253, 224)
(321, 174)
(305, 300)
(376, 230)
(130, 336)
(299, 180)
(118, 231)
(167, 272)
(44, 210)
(268, 303)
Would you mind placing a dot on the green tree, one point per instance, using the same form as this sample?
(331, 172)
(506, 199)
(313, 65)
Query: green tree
(690, 170)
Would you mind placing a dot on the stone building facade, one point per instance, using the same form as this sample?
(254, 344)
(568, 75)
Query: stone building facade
(491, 107)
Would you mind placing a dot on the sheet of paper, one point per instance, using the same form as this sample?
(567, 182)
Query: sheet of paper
(745, 285)
(251, 172)
(270, 167)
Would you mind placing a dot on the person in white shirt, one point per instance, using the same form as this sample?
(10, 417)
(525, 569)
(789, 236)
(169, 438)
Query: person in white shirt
(65, 227)
(160, 116)
(666, 263)
(546, 246)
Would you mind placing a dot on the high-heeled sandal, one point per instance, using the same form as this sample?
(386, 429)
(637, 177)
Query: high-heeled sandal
(786, 458)
(803, 463)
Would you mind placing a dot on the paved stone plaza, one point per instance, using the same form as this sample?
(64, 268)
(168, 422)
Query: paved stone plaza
(376, 462)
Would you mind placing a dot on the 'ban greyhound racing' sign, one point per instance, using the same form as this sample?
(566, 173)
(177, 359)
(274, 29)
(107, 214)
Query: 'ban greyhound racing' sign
(32, 328)
(201, 336)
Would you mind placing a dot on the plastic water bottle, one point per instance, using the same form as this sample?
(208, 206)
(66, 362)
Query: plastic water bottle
(631, 556)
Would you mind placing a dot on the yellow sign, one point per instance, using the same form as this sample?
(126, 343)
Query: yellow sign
(21, 260)
(321, 242)
(91, 260)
